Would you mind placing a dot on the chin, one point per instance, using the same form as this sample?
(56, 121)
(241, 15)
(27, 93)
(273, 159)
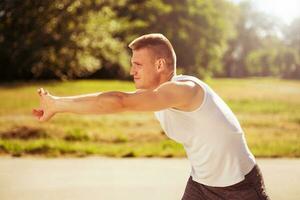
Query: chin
(137, 86)
(140, 87)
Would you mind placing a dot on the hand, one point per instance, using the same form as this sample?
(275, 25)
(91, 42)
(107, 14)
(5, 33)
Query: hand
(47, 106)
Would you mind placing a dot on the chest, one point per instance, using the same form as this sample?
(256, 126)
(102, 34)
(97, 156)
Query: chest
(177, 126)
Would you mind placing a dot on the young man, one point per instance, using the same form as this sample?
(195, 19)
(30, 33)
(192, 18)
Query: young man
(189, 111)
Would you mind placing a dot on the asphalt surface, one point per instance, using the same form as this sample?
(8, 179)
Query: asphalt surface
(115, 179)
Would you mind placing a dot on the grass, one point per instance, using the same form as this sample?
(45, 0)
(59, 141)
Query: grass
(268, 110)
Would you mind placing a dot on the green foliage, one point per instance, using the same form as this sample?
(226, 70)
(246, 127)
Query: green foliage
(76, 135)
(292, 34)
(262, 46)
(284, 62)
(262, 62)
(68, 39)
(198, 29)
(63, 39)
(252, 27)
(288, 60)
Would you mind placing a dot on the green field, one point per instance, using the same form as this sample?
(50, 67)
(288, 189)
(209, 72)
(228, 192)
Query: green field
(268, 109)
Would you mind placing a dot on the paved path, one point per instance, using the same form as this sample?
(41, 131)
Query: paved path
(122, 179)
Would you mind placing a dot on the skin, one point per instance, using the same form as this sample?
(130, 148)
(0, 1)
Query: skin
(154, 92)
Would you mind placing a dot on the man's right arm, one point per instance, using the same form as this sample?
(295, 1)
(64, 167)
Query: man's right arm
(169, 94)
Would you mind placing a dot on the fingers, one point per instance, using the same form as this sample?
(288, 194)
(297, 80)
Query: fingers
(45, 117)
(37, 112)
(40, 115)
(41, 91)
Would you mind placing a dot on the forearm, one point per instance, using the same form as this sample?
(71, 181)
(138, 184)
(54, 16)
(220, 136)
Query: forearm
(96, 103)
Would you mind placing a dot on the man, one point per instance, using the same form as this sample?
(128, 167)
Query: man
(189, 111)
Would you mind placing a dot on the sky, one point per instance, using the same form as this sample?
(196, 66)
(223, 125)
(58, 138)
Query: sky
(286, 10)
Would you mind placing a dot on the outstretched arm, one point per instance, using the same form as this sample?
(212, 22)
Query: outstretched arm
(169, 94)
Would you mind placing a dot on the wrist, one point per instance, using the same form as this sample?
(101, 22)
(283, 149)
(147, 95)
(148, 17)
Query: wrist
(57, 104)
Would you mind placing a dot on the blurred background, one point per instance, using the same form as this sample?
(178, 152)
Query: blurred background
(248, 51)
(72, 39)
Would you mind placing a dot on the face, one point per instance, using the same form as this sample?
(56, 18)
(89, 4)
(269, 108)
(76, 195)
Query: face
(143, 69)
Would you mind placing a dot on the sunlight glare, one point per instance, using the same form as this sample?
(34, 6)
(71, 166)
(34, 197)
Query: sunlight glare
(285, 10)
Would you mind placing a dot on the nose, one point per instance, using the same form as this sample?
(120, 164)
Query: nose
(132, 71)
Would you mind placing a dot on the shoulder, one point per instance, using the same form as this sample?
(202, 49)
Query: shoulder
(180, 86)
(188, 92)
(189, 83)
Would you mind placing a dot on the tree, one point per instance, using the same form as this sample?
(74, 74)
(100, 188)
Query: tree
(74, 38)
(292, 34)
(289, 58)
(60, 38)
(262, 63)
(253, 27)
(198, 29)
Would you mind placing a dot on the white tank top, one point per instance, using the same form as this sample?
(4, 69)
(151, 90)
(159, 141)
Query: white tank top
(212, 138)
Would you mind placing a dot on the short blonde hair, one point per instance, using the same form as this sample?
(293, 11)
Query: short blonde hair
(160, 46)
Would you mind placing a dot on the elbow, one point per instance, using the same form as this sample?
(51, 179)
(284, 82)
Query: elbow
(120, 99)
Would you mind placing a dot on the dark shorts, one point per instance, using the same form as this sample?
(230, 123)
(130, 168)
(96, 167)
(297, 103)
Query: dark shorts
(251, 188)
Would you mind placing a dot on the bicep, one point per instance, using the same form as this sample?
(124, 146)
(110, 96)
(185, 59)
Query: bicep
(165, 96)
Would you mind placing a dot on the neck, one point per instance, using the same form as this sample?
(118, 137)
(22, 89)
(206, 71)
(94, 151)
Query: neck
(166, 77)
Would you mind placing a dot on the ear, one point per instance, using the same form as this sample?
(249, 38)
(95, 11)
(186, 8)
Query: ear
(160, 64)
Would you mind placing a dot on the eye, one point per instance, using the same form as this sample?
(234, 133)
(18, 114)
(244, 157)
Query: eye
(137, 65)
